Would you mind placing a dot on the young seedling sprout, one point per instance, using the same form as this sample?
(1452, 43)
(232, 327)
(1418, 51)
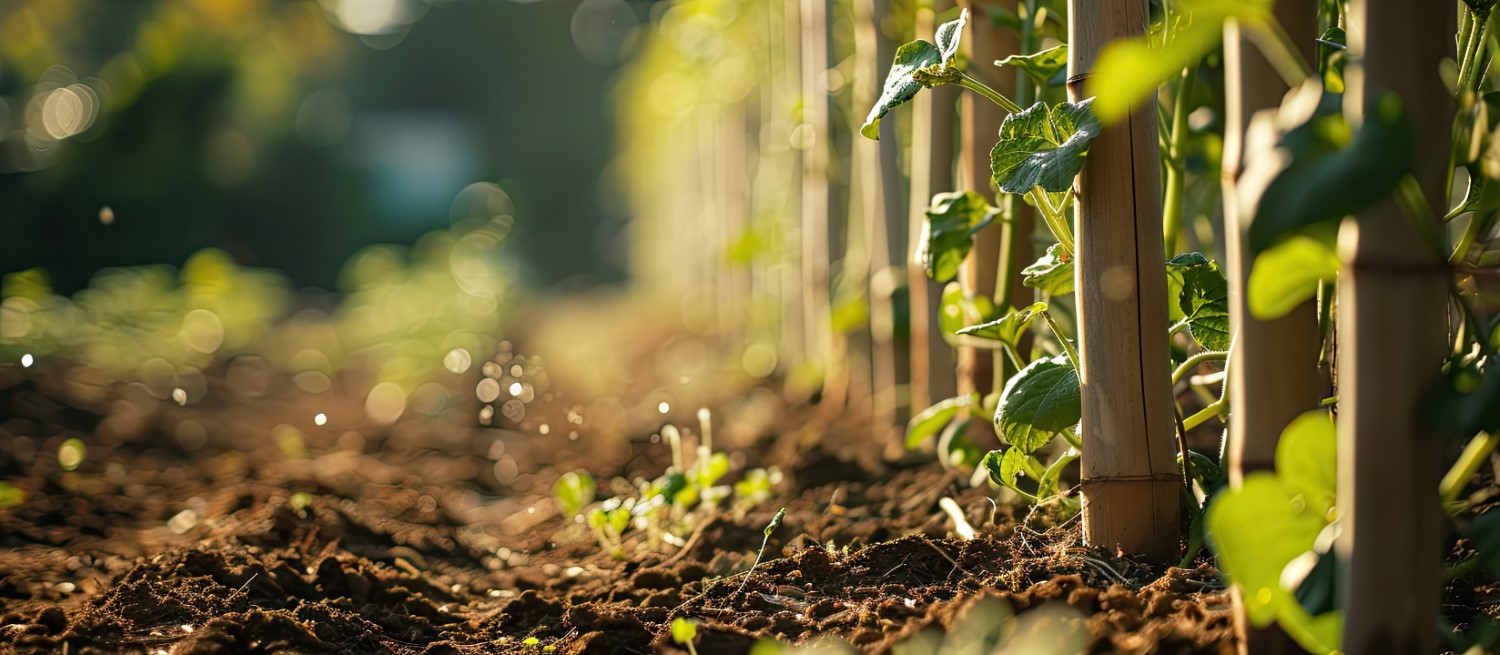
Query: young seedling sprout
(706, 442)
(770, 528)
(684, 632)
(673, 438)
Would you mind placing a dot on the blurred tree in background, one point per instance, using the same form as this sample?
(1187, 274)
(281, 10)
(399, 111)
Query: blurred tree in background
(290, 133)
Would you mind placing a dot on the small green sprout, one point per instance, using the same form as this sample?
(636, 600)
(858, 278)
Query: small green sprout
(10, 495)
(770, 528)
(573, 491)
(684, 632)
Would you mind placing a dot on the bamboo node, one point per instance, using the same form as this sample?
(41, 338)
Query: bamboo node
(1144, 477)
(1075, 84)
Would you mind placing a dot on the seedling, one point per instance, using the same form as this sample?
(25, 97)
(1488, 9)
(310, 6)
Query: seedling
(684, 632)
(766, 539)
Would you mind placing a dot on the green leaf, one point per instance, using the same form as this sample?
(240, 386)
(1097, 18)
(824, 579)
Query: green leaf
(775, 523)
(1038, 402)
(1288, 273)
(1053, 273)
(573, 491)
(952, 219)
(1007, 329)
(911, 57)
(1306, 461)
(1128, 71)
(956, 312)
(1042, 146)
(11, 495)
(927, 422)
(1004, 468)
(1202, 298)
(1326, 183)
(1041, 66)
(707, 472)
(684, 631)
(1257, 529)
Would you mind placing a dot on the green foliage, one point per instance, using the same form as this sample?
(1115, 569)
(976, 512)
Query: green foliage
(1053, 273)
(1042, 66)
(684, 631)
(1273, 519)
(956, 311)
(1326, 180)
(1464, 401)
(1039, 402)
(1007, 329)
(901, 84)
(952, 220)
(1129, 71)
(929, 421)
(573, 491)
(1202, 299)
(1288, 273)
(11, 495)
(1043, 146)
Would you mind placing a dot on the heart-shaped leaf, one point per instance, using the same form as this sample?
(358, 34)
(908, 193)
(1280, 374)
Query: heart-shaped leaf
(1043, 146)
(1053, 273)
(900, 85)
(1202, 298)
(1007, 329)
(1039, 402)
(1041, 66)
(951, 220)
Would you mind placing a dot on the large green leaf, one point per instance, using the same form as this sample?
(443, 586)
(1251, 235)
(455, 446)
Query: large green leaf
(1053, 273)
(952, 219)
(1257, 529)
(1043, 146)
(1008, 329)
(1039, 402)
(1327, 183)
(1041, 66)
(1463, 402)
(1306, 460)
(1202, 298)
(900, 85)
(1128, 71)
(1289, 273)
(929, 421)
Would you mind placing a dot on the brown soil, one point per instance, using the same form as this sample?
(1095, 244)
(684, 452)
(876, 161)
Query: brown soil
(189, 530)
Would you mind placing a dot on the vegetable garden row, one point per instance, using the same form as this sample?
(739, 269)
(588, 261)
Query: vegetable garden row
(1108, 226)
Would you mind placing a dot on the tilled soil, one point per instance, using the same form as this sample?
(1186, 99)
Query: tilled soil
(208, 529)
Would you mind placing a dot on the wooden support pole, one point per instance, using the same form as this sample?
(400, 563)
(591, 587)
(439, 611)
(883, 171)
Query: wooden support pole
(879, 211)
(817, 202)
(932, 359)
(1275, 373)
(787, 88)
(1131, 485)
(986, 42)
(1391, 322)
(1275, 376)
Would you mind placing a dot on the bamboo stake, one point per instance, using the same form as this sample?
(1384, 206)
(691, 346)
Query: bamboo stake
(1275, 376)
(932, 359)
(1391, 322)
(986, 42)
(877, 207)
(817, 202)
(794, 335)
(1130, 479)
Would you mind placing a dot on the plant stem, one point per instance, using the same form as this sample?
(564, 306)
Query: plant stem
(1478, 226)
(1061, 338)
(1176, 167)
(1273, 42)
(1056, 219)
(1203, 415)
(1468, 464)
(990, 94)
(1195, 360)
(961, 525)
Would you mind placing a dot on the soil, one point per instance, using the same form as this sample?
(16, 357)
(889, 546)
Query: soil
(236, 524)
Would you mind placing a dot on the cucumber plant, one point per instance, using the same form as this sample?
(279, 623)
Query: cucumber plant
(1037, 156)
